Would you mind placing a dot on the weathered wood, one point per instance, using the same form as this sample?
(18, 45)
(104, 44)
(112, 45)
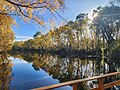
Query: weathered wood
(75, 86)
(77, 81)
(100, 83)
(95, 88)
(111, 84)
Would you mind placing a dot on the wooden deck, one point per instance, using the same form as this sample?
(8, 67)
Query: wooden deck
(101, 85)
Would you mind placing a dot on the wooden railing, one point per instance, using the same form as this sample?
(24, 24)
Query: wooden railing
(74, 83)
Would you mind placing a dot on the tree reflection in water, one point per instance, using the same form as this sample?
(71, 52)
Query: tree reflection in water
(5, 72)
(71, 68)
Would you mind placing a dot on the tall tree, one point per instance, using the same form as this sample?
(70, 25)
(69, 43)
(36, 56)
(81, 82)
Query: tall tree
(27, 10)
(107, 24)
(37, 34)
(80, 26)
(6, 34)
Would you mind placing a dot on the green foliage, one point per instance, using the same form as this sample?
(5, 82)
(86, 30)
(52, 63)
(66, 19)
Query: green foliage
(116, 48)
(106, 23)
(82, 34)
(26, 10)
(6, 34)
(73, 35)
(31, 10)
(106, 27)
(18, 45)
(37, 34)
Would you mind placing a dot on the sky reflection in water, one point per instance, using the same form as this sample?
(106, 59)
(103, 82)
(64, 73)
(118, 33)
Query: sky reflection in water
(25, 77)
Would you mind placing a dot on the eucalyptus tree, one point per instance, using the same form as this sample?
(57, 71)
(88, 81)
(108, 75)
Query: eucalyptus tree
(47, 41)
(29, 44)
(6, 33)
(68, 36)
(80, 26)
(42, 42)
(57, 38)
(26, 10)
(18, 45)
(37, 34)
(106, 25)
(50, 39)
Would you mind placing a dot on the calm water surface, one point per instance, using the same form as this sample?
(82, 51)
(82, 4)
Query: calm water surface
(23, 71)
(26, 77)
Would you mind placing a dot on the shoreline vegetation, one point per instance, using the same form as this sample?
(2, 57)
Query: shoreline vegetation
(75, 39)
(62, 52)
(67, 53)
(83, 37)
(99, 37)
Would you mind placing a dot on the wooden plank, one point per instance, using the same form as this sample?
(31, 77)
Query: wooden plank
(100, 83)
(95, 88)
(111, 84)
(74, 86)
(105, 86)
(75, 81)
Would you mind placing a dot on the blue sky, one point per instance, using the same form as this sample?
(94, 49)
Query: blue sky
(25, 31)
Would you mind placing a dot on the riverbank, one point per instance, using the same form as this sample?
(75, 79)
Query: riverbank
(64, 52)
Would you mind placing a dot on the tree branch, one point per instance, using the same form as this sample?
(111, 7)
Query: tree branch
(27, 6)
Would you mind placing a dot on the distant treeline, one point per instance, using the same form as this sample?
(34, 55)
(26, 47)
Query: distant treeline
(72, 38)
(100, 36)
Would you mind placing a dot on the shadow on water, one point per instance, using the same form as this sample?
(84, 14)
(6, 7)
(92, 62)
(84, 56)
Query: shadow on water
(29, 67)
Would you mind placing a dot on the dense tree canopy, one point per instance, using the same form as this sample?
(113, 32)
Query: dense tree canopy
(37, 34)
(82, 34)
(6, 34)
(30, 9)
(27, 10)
(107, 26)
(72, 36)
(107, 23)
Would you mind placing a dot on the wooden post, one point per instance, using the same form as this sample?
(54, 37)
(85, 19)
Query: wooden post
(74, 86)
(100, 83)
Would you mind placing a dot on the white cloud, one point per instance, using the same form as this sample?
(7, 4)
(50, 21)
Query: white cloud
(23, 38)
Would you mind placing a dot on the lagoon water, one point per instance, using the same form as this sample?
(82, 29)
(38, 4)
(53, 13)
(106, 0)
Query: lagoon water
(24, 71)
(26, 77)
